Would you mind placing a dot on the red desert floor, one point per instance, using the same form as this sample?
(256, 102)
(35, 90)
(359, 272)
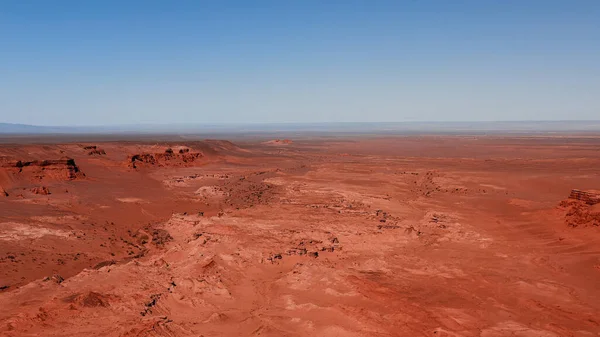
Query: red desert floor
(364, 236)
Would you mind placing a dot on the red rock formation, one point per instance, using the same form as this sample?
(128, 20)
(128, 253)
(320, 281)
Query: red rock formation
(90, 299)
(167, 158)
(94, 150)
(589, 197)
(42, 190)
(578, 213)
(64, 168)
(99, 152)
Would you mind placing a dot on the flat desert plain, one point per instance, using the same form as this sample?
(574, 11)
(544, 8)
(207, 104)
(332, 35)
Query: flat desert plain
(335, 236)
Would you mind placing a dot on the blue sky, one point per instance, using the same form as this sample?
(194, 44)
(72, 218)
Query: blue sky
(125, 62)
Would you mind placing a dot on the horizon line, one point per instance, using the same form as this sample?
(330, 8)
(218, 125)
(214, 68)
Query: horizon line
(297, 123)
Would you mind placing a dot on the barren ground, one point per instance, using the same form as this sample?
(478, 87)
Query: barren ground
(388, 236)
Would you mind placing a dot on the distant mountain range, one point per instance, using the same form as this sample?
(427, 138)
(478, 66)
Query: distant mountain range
(20, 128)
(351, 127)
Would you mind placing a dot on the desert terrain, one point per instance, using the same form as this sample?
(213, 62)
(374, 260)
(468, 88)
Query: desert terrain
(431, 235)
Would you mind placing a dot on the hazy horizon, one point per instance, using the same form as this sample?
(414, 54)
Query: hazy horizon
(299, 129)
(232, 123)
(109, 63)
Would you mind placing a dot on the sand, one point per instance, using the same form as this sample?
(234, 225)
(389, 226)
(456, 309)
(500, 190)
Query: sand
(382, 236)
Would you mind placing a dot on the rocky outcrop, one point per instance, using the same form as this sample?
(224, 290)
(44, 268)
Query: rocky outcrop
(182, 157)
(42, 190)
(54, 278)
(589, 197)
(160, 237)
(579, 213)
(94, 150)
(90, 299)
(64, 168)
(3, 192)
(581, 209)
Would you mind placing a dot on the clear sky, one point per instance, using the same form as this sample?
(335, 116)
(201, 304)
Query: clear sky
(108, 62)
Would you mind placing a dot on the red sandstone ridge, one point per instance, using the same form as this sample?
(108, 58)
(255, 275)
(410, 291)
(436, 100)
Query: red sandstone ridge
(182, 157)
(94, 150)
(64, 168)
(590, 197)
(581, 209)
(3, 192)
